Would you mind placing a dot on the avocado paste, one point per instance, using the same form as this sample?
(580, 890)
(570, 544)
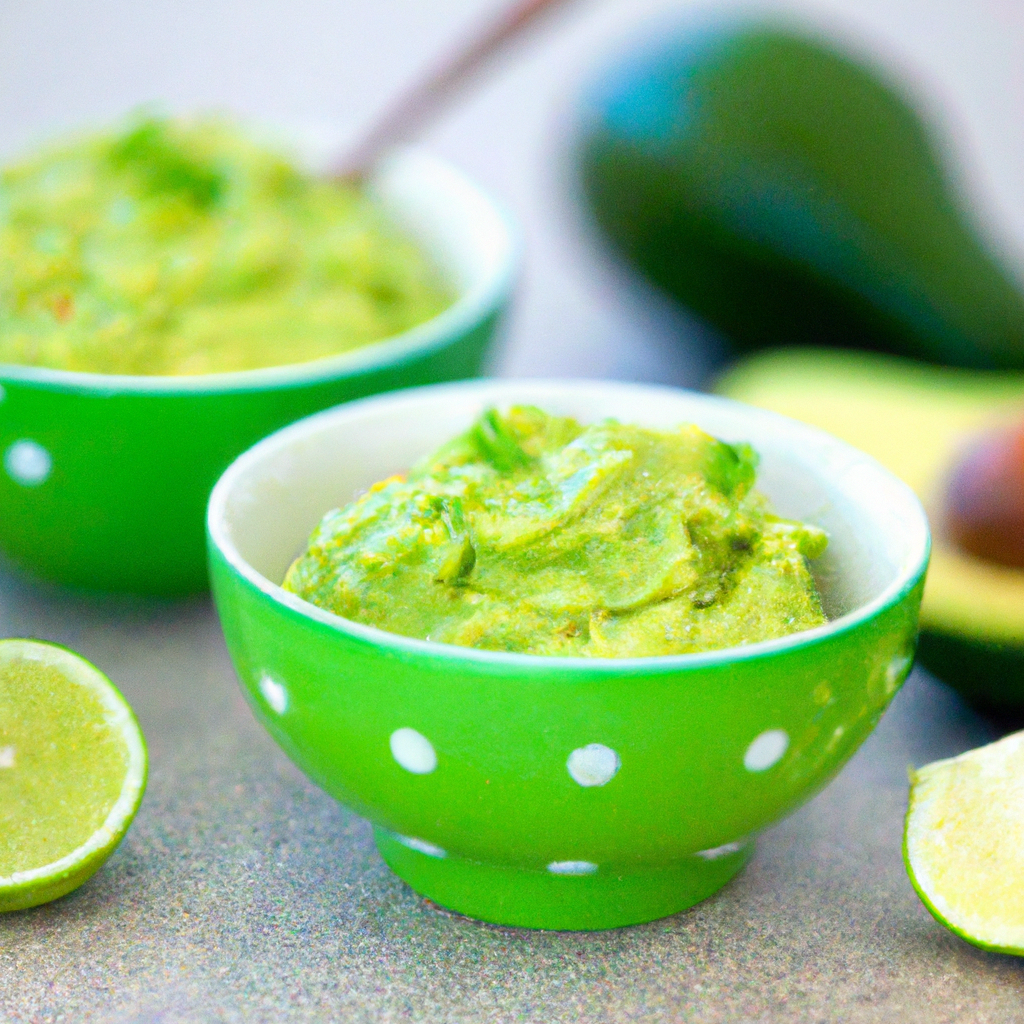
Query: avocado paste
(534, 534)
(182, 247)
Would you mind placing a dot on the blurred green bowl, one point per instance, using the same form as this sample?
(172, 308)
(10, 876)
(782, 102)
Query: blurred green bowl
(104, 479)
(564, 792)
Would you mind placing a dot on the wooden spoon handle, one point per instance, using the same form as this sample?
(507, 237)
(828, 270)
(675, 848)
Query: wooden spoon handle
(418, 104)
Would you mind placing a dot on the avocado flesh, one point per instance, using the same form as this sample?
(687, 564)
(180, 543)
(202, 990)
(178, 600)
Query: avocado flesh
(788, 196)
(916, 420)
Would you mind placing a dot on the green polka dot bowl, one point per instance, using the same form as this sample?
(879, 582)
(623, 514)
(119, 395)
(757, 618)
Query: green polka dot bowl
(566, 793)
(104, 480)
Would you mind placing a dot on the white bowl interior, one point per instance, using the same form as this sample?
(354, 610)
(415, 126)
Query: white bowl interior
(269, 501)
(421, 194)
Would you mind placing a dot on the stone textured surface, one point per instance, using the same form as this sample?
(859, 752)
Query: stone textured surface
(242, 893)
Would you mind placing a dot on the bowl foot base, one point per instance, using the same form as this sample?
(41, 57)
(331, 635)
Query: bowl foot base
(570, 896)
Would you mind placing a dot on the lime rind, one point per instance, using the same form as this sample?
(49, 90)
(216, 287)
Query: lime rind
(974, 940)
(25, 889)
(1011, 941)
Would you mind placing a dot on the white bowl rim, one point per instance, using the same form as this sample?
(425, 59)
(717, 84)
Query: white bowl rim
(484, 296)
(912, 569)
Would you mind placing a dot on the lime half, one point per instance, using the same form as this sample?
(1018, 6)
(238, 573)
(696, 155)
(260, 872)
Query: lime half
(964, 843)
(72, 771)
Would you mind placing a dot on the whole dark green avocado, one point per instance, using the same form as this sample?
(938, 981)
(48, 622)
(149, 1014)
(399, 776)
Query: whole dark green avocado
(787, 195)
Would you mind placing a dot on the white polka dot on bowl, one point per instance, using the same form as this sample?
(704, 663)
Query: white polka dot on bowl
(717, 852)
(572, 867)
(274, 693)
(766, 750)
(28, 463)
(897, 669)
(593, 765)
(422, 846)
(413, 751)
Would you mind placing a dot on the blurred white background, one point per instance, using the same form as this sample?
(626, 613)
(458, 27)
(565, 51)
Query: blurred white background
(318, 66)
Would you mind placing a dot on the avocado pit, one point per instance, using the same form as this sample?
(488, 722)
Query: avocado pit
(984, 506)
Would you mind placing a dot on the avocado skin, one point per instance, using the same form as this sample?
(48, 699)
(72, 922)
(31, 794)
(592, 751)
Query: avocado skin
(786, 195)
(990, 676)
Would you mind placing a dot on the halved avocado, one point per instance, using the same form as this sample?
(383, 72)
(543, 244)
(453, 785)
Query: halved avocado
(916, 419)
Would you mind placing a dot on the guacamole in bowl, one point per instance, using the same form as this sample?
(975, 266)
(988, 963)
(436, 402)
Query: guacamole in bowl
(535, 534)
(563, 791)
(174, 246)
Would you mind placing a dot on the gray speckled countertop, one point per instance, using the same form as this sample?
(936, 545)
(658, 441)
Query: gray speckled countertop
(242, 893)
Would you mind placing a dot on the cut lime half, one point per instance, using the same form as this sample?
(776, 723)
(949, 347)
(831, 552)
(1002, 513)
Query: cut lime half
(964, 843)
(72, 771)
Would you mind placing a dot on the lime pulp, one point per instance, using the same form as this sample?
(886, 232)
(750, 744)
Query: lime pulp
(72, 771)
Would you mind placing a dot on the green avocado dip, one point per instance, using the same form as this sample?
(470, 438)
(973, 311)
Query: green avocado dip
(534, 534)
(182, 247)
